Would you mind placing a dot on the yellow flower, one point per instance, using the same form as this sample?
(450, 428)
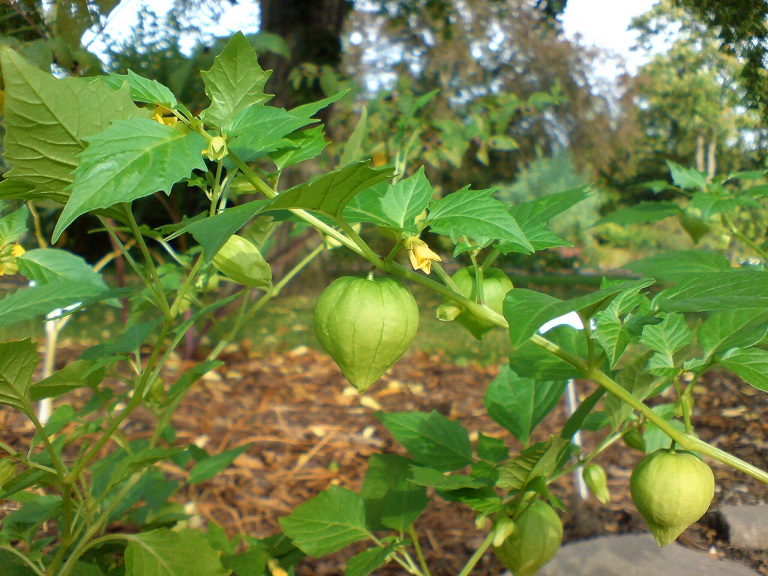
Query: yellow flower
(420, 254)
(17, 250)
(167, 120)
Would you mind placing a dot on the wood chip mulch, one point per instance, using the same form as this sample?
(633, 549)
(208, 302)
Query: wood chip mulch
(308, 429)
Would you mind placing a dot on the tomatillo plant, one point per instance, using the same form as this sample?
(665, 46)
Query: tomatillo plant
(96, 145)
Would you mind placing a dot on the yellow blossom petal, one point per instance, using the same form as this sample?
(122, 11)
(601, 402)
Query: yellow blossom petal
(421, 255)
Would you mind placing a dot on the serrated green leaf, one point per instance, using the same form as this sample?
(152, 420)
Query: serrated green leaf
(478, 216)
(391, 500)
(366, 206)
(77, 374)
(165, 552)
(534, 216)
(538, 461)
(142, 89)
(130, 160)
(633, 378)
(726, 329)
(665, 339)
(705, 205)
(24, 523)
(716, 291)
(326, 523)
(527, 310)
(259, 130)
(656, 439)
(18, 360)
(679, 265)
(209, 467)
(234, 82)
(687, 178)
(367, 561)
(751, 364)
(491, 449)
(54, 265)
(423, 476)
(615, 334)
(482, 500)
(47, 119)
(37, 301)
(304, 145)
(520, 404)
(330, 193)
(642, 213)
(11, 188)
(252, 562)
(430, 438)
(13, 226)
(531, 361)
(405, 200)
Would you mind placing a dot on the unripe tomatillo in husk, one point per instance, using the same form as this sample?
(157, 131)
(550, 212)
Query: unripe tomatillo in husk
(596, 479)
(535, 540)
(240, 260)
(671, 490)
(496, 284)
(365, 325)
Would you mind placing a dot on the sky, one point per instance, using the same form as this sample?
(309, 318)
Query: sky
(601, 23)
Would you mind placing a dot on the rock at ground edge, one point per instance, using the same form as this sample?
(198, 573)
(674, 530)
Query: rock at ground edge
(746, 526)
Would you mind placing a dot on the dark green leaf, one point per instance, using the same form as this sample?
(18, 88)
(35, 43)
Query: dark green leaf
(665, 339)
(126, 343)
(77, 374)
(678, 265)
(253, 562)
(751, 364)
(531, 361)
(165, 552)
(211, 466)
(520, 404)
(642, 213)
(328, 522)
(491, 449)
(304, 145)
(728, 290)
(18, 360)
(423, 476)
(391, 501)
(142, 89)
(538, 461)
(367, 561)
(430, 438)
(738, 328)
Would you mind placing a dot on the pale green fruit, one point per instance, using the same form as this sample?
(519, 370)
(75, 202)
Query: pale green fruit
(597, 481)
(365, 325)
(240, 260)
(496, 284)
(534, 541)
(671, 490)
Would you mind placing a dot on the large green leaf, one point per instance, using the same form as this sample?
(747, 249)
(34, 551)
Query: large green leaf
(534, 216)
(328, 522)
(665, 339)
(531, 361)
(405, 200)
(234, 82)
(304, 145)
(367, 561)
(37, 301)
(13, 225)
(430, 438)
(527, 310)
(130, 160)
(23, 524)
(165, 552)
(53, 265)
(18, 360)
(47, 119)
(259, 130)
(615, 329)
(477, 215)
(520, 404)
(142, 89)
(208, 467)
(726, 329)
(678, 265)
(330, 193)
(749, 363)
(728, 290)
(77, 374)
(391, 500)
(687, 178)
(366, 206)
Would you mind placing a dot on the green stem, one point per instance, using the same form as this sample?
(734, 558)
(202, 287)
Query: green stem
(367, 253)
(573, 423)
(743, 237)
(470, 565)
(23, 558)
(58, 464)
(491, 258)
(188, 281)
(419, 553)
(66, 536)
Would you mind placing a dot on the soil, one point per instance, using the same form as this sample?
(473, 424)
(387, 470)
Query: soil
(308, 429)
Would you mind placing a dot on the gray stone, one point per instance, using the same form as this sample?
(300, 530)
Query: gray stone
(745, 526)
(637, 555)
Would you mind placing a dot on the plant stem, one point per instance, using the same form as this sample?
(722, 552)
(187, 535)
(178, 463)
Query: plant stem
(23, 558)
(419, 553)
(731, 226)
(470, 565)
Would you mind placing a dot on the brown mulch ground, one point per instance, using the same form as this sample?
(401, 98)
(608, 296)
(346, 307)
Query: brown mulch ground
(308, 429)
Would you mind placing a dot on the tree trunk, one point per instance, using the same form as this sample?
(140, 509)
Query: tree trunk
(700, 152)
(711, 158)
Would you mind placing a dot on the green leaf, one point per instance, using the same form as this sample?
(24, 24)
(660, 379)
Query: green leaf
(687, 178)
(726, 290)
(326, 523)
(738, 328)
(705, 205)
(534, 216)
(366, 206)
(656, 439)
(52, 265)
(434, 478)
(330, 193)
(142, 89)
(482, 500)
(391, 500)
(614, 334)
(634, 378)
(538, 461)
(77, 374)
(24, 523)
(128, 342)
(478, 216)
(491, 449)
(526, 310)
(367, 561)
(253, 562)
(29, 303)
(13, 565)
(11, 188)
(665, 340)
(165, 552)
(234, 82)
(642, 213)
(531, 361)
(430, 438)
(209, 467)
(304, 145)
(405, 200)
(47, 119)
(13, 226)
(259, 130)
(352, 151)
(751, 364)
(520, 404)
(679, 265)
(130, 160)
